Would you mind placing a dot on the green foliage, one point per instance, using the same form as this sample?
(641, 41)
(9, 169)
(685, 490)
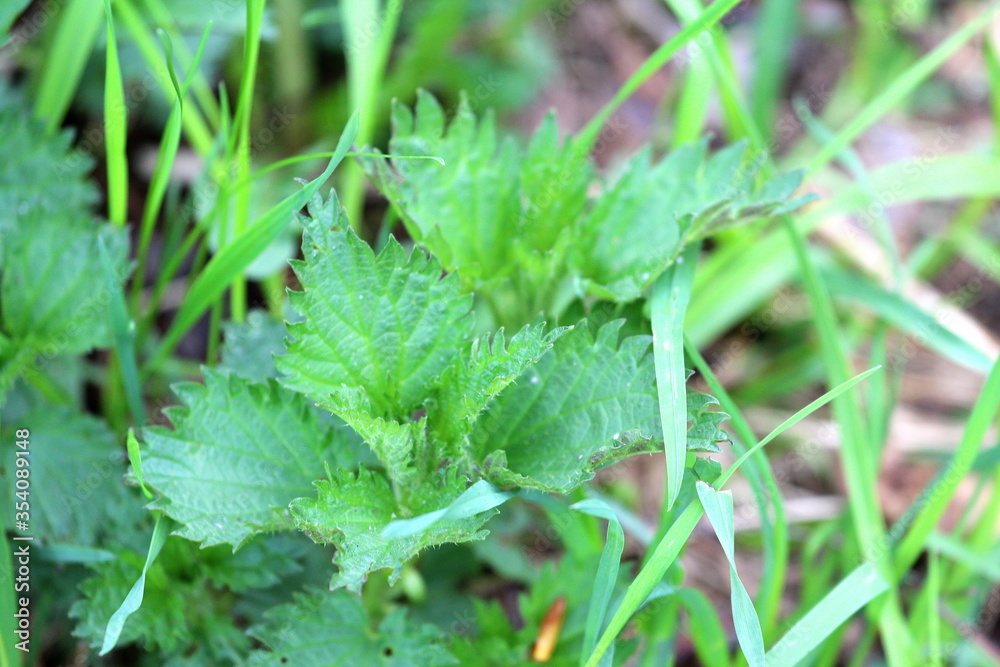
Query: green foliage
(518, 223)
(238, 454)
(40, 176)
(352, 510)
(52, 302)
(384, 344)
(485, 370)
(494, 354)
(503, 219)
(68, 488)
(577, 405)
(387, 325)
(323, 628)
(190, 594)
(641, 222)
(588, 403)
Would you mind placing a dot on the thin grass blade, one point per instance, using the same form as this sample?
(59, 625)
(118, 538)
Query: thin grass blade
(907, 317)
(75, 36)
(671, 294)
(935, 499)
(766, 493)
(671, 544)
(900, 87)
(478, 498)
(135, 458)
(133, 600)
(607, 572)
(855, 591)
(586, 138)
(115, 126)
(719, 508)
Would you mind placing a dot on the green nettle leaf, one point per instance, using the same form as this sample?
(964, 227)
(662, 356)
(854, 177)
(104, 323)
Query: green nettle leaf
(499, 214)
(324, 629)
(642, 221)
(587, 403)
(467, 387)
(57, 302)
(52, 302)
(457, 209)
(387, 325)
(350, 510)
(239, 453)
(401, 448)
(40, 175)
(384, 345)
(580, 400)
(504, 215)
(704, 434)
(77, 466)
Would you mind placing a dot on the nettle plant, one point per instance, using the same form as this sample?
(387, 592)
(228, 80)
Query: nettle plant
(521, 228)
(385, 345)
(413, 392)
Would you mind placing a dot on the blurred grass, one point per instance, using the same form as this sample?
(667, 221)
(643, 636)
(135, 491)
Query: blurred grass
(115, 126)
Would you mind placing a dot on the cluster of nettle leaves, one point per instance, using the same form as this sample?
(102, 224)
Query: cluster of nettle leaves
(385, 399)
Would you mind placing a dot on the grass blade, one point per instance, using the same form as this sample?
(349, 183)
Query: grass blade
(794, 419)
(852, 162)
(766, 493)
(478, 498)
(670, 545)
(719, 508)
(665, 553)
(907, 317)
(774, 36)
(738, 278)
(244, 109)
(135, 458)
(239, 253)
(165, 157)
(955, 550)
(367, 53)
(935, 498)
(692, 106)
(76, 34)
(736, 114)
(671, 294)
(584, 141)
(855, 591)
(115, 126)
(901, 86)
(607, 571)
(196, 128)
(133, 600)
(858, 453)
